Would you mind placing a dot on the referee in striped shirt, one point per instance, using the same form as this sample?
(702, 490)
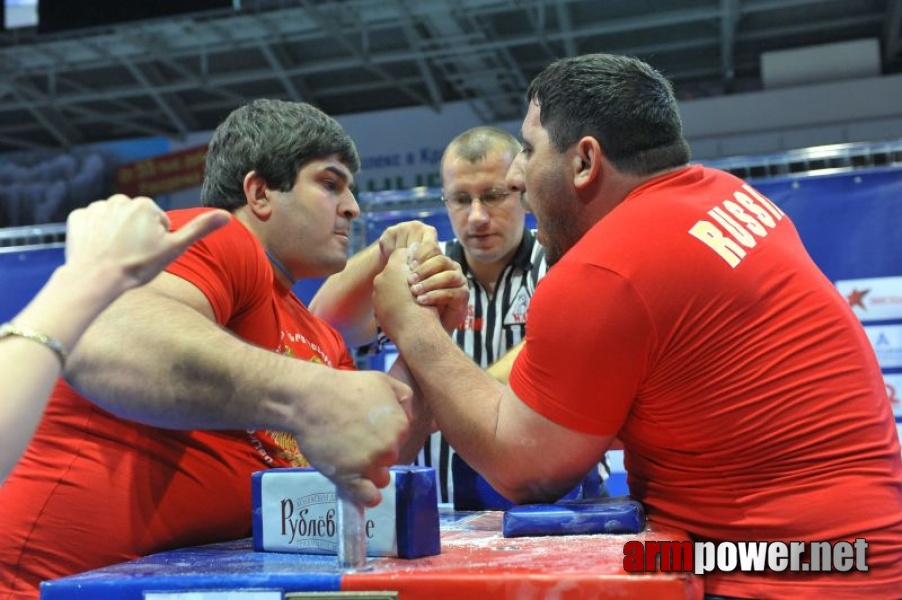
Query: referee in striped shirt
(501, 259)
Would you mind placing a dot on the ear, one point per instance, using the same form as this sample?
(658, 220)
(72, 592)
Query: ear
(586, 163)
(256, 195)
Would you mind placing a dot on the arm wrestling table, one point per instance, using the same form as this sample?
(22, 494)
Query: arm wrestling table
(476, 562)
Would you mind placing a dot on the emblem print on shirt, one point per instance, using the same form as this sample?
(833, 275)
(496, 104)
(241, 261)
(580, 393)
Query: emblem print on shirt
(299, 341)
(285, 442)
(516, 314)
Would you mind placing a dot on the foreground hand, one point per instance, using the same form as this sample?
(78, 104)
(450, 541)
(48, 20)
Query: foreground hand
(438, 281)
(396, 307)
(131, 237)
(405, 234)
(354, 434)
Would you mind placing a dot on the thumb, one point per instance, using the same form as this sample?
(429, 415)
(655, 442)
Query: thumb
(431, 236)
(384, 250)
(198, 227)
(404, 395)
(361, 490)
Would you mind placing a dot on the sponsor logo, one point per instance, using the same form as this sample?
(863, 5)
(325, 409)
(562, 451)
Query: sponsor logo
(856, 298)
(893, 384)
(874, 299)
(748, 557)
(299, 512)
(310, 521)
(887, 343)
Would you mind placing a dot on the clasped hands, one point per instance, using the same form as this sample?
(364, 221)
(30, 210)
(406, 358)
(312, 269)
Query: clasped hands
(418, 283)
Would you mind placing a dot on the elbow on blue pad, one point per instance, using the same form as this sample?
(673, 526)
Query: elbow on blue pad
(473, 492)
(584, 510)
(575, 517)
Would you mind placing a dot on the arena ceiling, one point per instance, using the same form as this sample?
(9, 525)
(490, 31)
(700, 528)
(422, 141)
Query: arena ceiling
(177, 75)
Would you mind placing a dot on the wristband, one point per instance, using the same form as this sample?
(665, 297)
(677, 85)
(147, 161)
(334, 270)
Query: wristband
(11, 329)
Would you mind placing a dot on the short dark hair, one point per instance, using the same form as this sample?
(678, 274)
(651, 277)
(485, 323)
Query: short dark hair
(624, 103)
(275, 139)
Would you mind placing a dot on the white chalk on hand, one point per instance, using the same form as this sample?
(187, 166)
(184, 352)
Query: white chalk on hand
(411, 251)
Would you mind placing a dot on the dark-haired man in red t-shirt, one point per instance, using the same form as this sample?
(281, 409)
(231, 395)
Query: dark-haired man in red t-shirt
(682, 315)
(213, 371)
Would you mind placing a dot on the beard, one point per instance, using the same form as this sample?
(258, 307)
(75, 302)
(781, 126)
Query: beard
(558, 222)
(553, 253)
(558, 243)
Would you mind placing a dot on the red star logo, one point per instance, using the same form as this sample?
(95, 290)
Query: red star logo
(856, 298)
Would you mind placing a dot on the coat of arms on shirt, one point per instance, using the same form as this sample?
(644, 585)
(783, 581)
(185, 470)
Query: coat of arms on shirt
(516, 314)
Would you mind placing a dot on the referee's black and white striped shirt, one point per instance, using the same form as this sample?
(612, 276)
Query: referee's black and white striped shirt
(495, 323)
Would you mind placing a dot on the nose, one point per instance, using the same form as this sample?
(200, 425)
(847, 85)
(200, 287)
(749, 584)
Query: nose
(349, 207)
(477, 212)
(515, 180)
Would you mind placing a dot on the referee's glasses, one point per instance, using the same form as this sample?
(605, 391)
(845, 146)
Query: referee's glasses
(489, 199)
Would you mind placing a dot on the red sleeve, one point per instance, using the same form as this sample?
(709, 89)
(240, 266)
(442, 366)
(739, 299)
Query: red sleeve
(225, 266)
(346, 363)
(589, 343)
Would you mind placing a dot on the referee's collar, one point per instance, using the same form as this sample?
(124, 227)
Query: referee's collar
(521, 258)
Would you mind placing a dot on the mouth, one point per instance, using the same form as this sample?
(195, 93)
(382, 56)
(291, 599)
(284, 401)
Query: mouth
(481, 239)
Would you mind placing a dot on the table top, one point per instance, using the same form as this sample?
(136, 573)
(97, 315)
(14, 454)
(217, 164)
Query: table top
(476, 562)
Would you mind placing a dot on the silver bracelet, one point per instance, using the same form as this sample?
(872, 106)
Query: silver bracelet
(11, 329)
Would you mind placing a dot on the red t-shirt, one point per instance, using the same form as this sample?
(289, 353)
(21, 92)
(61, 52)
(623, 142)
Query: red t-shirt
(748, 399)
(93, 489)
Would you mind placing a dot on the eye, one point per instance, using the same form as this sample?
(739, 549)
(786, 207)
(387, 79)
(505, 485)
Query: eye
(331, 184)
(494, 196)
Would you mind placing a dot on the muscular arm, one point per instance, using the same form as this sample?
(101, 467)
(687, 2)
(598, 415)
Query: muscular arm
(158, 357)
(421, 421)
(500, 370)
(345, 301)
(523, 455)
